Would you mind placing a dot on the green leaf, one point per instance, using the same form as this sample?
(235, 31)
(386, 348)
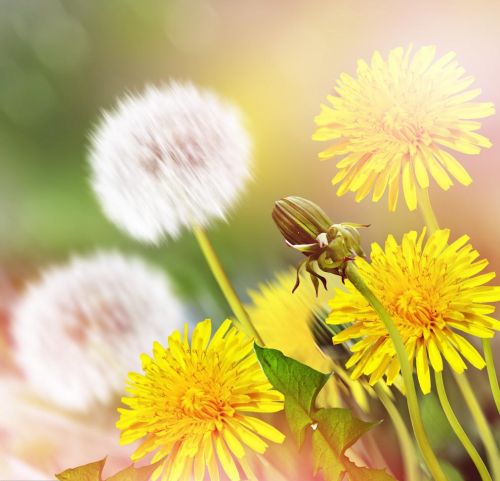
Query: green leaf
(87, 472)
(334, 430)
(299, 384)
(93, 472)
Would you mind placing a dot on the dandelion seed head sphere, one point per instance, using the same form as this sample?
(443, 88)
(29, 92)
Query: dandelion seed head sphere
(397, 121)
(79, 330)
(174, 156)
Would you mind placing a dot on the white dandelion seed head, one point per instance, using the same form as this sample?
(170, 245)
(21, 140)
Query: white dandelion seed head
(81, 328)
(172, 157)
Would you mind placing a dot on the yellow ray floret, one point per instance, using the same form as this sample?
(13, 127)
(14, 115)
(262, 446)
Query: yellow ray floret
(397, 122)
(191, 406)
(434, 292)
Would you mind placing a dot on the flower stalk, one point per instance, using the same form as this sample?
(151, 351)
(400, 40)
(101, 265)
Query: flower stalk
(481, 423)
(411, 394)
(492, 373)
(461, 379)
(458, 429)
(225, 285)
(410, 461)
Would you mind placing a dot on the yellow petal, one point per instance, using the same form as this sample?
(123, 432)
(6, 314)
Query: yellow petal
(454, 167)
(409, 189)
(264, 429)
(468, 351)
(226, 459)
(434, 355)
(423, 373)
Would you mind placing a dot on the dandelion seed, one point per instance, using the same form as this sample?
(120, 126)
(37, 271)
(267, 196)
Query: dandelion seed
(172, 157)
(397, 120)
(79, 330)
(434, 293)
(190, 406)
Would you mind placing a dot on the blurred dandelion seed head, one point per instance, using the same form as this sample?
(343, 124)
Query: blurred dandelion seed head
(432, 290)
(397, 121)
(79, 329)
(191, 405)
(169, 158)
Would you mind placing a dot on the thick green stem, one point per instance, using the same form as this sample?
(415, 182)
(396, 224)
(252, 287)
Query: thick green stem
(481, 423)
(224, 283)
(410, 461)
(459, 430)
(406, 371)
(492, 373)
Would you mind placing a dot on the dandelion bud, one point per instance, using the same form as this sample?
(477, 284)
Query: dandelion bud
(328, 247)
(300, 220)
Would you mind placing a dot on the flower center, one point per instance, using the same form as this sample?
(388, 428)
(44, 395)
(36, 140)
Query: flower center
(417, 309)
(194, 401)
(205, 402)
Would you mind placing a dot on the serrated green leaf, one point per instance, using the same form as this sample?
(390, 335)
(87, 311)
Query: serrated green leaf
(134, 474)
(357, 473)
(299, 383)
(340, 428)
(93, 472)
(333, 429)
(337, 430)
(86, 472)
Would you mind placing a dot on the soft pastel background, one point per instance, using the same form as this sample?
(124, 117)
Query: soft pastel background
(62, 61)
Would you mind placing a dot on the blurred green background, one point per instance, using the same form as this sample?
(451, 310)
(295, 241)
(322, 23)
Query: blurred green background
(61, 62)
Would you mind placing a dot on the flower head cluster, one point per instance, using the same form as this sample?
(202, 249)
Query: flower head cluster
(79, 329)
(171, 157)
(434, 293)
(398, 119)
(191, 405)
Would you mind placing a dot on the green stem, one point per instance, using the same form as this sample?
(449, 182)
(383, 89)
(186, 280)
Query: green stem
(408, 450)
(459, 430)
(424, 203)
(224, 283)
(492, 373)
(481, 423)
(463, 383)
(406, 371)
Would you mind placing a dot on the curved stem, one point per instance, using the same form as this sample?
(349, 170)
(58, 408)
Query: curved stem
(492, 373)
(424, 204)
(408, 449)
(458, 429)
(481, 423)
(406, 371)
(463, 383)
(224, 283)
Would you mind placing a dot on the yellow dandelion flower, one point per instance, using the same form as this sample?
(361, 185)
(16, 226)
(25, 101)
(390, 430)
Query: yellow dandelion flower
(190, 406)
(284, 321)
(432, 291)
(398, 119)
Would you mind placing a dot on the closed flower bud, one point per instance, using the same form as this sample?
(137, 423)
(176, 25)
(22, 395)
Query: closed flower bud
(300, 220)
(328, 247)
